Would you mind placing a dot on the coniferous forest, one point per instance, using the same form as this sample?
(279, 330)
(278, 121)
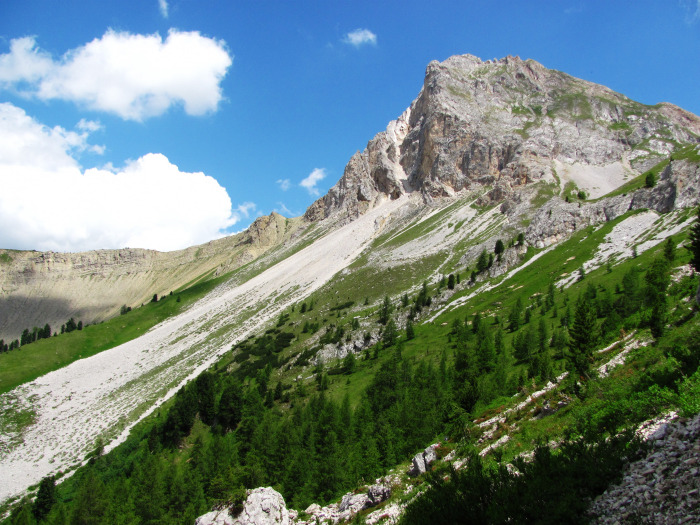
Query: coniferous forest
(243, 424)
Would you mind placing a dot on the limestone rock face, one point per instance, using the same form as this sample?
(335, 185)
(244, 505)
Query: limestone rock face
(678, 187)
(47, 287)
(264, 506)
(502, 124)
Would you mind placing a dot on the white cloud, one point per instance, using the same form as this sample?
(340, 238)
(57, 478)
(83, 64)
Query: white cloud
(243, 210)
(163, 6)
(284, 184)
(312, 180)
(359, 37)
(48, 202)
(132, 76)
(283, 210)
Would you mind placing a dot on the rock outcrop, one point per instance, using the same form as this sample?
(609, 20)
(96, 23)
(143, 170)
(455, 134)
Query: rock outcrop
(422, 462)
(678, 187)
(498, 125)
(263, 506)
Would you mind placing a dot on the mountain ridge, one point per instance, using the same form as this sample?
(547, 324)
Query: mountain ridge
(446, 141)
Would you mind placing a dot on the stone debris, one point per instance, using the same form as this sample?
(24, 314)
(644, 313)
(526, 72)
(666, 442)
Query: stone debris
(663, 487)
(350, 504)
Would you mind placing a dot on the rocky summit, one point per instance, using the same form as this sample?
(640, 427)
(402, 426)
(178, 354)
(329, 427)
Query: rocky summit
(502, 124)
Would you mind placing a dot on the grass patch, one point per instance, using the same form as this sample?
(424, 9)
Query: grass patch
(545, 191)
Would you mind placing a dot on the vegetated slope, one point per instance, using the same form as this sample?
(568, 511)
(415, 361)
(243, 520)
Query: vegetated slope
(62, 414)
(38, 288)
(278, 410)
(425, 199)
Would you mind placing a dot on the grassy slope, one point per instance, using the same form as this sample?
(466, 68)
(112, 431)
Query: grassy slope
(43, 356)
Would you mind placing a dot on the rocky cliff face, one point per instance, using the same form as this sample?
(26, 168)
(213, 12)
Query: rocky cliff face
(498, 125)
(38, 288)
(678, 187)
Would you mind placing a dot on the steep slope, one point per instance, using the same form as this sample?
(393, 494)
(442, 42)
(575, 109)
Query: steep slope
(498, 125)
(438, 187)
(104, 395)
(38, 288)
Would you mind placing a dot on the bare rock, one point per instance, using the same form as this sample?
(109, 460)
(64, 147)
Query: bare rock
(422, 461)
(264, 506)
(378, 493)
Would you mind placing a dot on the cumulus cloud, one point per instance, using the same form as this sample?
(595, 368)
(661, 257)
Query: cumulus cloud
(284, 184)
(48, 202)
(359, 37)
(132, 76)
(163, 6)
(312, 180)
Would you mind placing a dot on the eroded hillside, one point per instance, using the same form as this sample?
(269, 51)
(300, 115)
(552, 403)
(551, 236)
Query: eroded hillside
(38, 288)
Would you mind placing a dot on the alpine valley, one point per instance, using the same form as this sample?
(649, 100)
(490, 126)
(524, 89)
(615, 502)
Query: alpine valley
(490, 318)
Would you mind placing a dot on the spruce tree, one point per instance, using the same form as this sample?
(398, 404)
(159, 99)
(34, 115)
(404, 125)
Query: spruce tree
(45, 498)
(583, 336)
(410, 332)
(694, 245)
(670, 250)
(483, 262)
(389, 335)
(514, 319)
(499, 249)
(385, 310)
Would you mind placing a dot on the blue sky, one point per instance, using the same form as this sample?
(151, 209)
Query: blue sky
(167, 123)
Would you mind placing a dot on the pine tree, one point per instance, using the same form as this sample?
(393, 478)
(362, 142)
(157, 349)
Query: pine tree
(385, 310)
(476, 322)
(349, 362)
(499, 249)
(583, 337)
(658, 280)
(45, 498)
(389, 335)
(410, 332)
(694, 245)
(670, 250)
(483, 262)
(485, 349)
(451, 282)
(514, 319)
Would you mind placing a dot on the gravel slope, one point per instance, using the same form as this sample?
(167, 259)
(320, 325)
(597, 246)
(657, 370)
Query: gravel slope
(106, 394)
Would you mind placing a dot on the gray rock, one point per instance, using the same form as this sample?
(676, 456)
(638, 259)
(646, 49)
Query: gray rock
(378, 493)
(354, 503)
(264, 506)
(429, 456)
(422, 461)
(418, 465)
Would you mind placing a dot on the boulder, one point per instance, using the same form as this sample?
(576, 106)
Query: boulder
(418, 465)
(264, 506)
(422, 461)
(354, 503)
(378, 493)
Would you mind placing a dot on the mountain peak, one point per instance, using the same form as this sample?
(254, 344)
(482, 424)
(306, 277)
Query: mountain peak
(498, 125)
